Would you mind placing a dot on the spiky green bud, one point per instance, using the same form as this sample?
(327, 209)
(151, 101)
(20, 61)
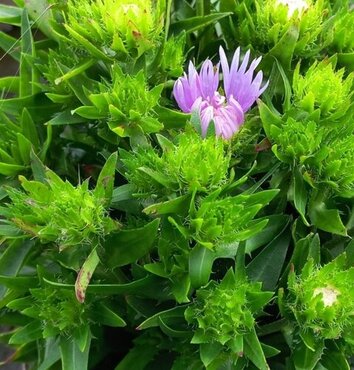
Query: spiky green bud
(324, 88)
(224, 313)
(322, 299)
(192, 163)
(115, 28)
(59, 212)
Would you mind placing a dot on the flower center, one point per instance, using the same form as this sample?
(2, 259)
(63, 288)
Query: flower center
(217, 101)
(329, 295)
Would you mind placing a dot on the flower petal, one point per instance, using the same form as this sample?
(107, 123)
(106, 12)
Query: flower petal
(206, 113)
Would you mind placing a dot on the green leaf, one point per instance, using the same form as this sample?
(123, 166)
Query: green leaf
(209, 352)
(38, 168)
(89, 112)
(37, 105)
(127, 246)
(268, 118)
(300, 195)
(10, 169)
(105, 181)
(334, 359)
(65, 118)
(173, 333)
(177, 205)
(140, 286)
(26, 87)
(106, 316)
(85, 274)
(28, 333)
(71, 356)
(82, 337)
(18, 282)
(193, 24)
(10, 232)
(285, 47)
(253, 350)
(306, 248)
(10, 15)
(10, 84)
(326, 219)
(87, 45)
(275, 225)
(287, 87)
(268, 264)
(200, 265)
(25, 147)
(77, 70)
(122, 193)
(138, 357)
(40, 12)
(153, 321)
(171, 119)
(10, 45)
(304, 358)
(12, 259)
(29, 129)
(51, 353)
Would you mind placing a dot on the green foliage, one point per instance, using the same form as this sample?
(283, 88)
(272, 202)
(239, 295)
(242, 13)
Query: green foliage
(189, 241)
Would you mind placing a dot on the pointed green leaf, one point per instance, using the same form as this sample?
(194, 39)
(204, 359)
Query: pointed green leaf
(196, 23)
(28, 333)
(105, 181)
(268, 264)
(127, 246)
(71, 356)
(153, 321)
(253, 350)
(200, 265)
(106, 316)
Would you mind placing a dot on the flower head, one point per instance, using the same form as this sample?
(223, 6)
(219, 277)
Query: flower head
(198, 92)
(321, 298)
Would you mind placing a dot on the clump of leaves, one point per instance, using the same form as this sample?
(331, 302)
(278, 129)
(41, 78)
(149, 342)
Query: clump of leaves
(228, 219)
(114, 28)
(56, 211)
(57, 311)
(190, 164)
(275, 25)
(127, 102)
(323, 88)
(224, 315)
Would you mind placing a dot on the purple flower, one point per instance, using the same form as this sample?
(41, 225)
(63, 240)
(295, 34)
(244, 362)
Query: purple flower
(198, 92)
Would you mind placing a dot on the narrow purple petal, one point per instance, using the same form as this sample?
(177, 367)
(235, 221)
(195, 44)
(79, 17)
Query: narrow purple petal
(244, 62)
(209, 79)
(178, 93)
(239, 82)
(225, 69)
(206, 113)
